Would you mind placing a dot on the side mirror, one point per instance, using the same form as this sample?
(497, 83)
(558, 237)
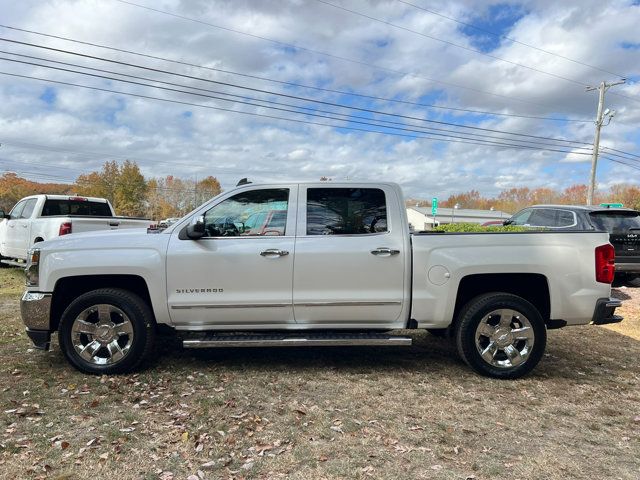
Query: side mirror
(507, 222)
(3, 215)
(196, 230)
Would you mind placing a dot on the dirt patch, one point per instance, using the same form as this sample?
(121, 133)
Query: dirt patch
(630, 310)
(328, 413)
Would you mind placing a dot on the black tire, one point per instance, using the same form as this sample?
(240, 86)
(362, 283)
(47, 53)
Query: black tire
(530, 350)
(126, 306)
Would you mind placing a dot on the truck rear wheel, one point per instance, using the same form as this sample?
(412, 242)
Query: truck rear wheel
(107, 331)
(501, 335)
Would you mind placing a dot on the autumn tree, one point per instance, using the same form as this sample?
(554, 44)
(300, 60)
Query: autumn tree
(123, 185)
(574, 195)
(628, 195)
(129, 190)
(13, 188)
(470, 199)
(207, 189)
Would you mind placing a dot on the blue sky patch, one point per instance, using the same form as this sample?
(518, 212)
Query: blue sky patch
(498, 19)
(48, 96)
(630, 45)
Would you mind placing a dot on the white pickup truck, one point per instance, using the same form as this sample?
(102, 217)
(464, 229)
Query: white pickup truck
(314, 264)
(43, 217)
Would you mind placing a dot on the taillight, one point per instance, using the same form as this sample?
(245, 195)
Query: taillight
(605, 263)
(65, 228)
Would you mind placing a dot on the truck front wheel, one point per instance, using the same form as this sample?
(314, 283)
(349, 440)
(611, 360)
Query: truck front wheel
(501, 335)
(107, 331)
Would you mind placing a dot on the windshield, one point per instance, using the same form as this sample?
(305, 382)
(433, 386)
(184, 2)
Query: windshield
(615, 222)
(75, 207)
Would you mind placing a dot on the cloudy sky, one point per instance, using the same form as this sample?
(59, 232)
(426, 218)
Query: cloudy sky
(438, 96)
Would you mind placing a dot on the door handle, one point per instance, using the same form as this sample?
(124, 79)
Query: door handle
(24, 225)
(384, 252)
(274, 252)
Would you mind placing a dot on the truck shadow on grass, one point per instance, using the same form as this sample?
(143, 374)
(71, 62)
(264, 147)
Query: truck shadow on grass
(572, 353)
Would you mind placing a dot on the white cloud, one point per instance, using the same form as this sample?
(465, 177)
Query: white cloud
(166, 138)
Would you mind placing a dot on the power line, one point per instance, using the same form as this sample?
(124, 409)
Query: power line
(284, 118)
(617, 155)
(621, 151)
(329, 90)
(311, 111)
(635, 167)
(499, 35)
(625, 96)
(317, 52)
(306, 99)
(491, 140)
(453, 44)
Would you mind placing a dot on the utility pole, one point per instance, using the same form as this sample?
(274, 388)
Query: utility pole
(602, 113)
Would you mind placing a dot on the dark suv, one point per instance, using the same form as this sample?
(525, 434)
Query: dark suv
(623, 225)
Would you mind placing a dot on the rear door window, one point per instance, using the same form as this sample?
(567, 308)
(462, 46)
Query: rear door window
(543, 217)
(566, 218)
(552, 218)
(346, 211)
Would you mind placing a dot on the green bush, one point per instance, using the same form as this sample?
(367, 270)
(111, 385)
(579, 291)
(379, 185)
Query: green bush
(476, 227)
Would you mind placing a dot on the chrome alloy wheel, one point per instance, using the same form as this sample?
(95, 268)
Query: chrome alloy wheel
(102, 334)
(504, 338)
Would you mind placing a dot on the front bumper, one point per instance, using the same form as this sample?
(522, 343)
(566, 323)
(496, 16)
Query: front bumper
(35, 309)
(604, 311)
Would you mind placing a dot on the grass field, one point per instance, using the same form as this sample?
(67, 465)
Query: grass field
(415, 412)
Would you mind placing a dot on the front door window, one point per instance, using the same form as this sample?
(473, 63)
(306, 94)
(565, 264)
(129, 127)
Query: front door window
(249, 214)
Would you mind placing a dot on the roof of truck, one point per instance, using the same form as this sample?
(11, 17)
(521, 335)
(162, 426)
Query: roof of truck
(584, 208)
(69, 197)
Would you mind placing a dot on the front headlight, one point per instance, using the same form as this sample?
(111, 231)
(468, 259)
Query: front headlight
(33, 267)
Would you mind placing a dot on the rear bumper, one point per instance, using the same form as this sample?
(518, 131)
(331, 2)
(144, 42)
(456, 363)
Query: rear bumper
(626, 267)
(35, 309)
(604, 312)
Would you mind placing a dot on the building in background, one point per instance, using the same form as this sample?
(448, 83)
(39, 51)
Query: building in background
(420, 218)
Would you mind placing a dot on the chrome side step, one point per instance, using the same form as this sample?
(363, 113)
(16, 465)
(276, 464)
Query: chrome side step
(296, 340)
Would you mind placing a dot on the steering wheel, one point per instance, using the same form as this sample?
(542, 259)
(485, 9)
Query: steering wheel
(230, 230)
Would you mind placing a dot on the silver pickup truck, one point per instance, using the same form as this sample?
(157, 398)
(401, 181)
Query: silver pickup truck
(314, 264)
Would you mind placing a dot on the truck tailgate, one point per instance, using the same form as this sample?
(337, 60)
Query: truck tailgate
(90, 224)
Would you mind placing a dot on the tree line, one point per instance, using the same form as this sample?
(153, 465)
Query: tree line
(125, 186)
(131, 194)
(515, 199)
